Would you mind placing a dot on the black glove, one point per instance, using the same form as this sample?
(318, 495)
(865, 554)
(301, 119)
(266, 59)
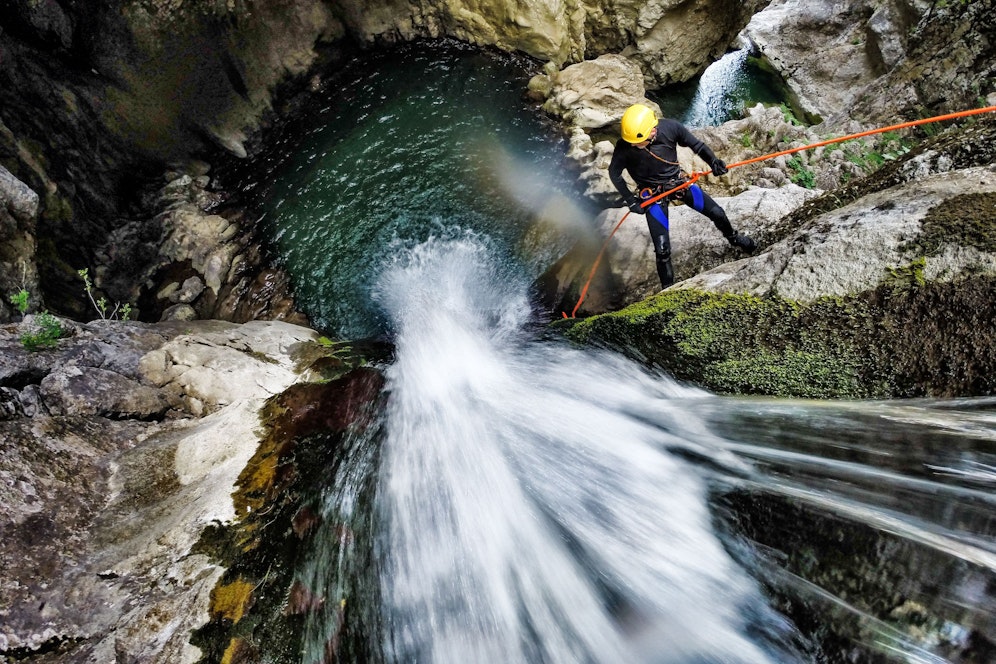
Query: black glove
(719, 168)
(635, 208)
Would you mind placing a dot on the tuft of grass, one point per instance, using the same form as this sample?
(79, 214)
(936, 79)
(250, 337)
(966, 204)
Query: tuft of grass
(46, 332)
(801, 175)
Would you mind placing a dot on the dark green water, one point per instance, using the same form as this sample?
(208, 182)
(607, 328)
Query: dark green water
(427, 140)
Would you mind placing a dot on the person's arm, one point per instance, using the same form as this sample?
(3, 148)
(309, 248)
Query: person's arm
(616, 167)
(693, 142)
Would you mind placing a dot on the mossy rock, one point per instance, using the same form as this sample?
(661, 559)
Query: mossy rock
(906, 338)
(258, 611)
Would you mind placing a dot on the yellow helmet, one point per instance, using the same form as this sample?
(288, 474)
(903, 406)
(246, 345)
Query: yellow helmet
(637, 122)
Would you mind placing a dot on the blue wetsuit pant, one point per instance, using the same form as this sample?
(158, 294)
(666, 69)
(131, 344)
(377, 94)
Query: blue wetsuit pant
(657, 222)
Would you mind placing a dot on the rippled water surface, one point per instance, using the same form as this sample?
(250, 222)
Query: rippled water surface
(402, 146)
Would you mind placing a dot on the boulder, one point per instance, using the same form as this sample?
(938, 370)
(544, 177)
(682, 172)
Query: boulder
(76, 390)
(101, 517)
(17, 197)
(864, 244)
(594, 94)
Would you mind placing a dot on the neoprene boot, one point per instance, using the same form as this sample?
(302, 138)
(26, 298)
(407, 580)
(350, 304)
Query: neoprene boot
(742, 241)
(665, 271)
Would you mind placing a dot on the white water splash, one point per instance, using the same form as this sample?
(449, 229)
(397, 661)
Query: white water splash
(532, 512)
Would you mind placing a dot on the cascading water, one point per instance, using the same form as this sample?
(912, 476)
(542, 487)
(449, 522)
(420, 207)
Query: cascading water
(524, 501)
(530, 510)
(722, 91)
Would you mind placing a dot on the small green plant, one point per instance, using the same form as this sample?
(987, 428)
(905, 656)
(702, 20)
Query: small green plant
(745, 140)
(20, 301)
(869, 160)
(801, 176)
(46, 332)
(789, 115)
(120, 311)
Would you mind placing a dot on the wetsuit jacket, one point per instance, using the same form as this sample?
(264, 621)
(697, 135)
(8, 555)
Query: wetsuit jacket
(662, 166)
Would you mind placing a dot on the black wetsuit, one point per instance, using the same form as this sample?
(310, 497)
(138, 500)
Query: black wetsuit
(655, 169)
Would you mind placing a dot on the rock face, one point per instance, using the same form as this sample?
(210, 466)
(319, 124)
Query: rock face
(863, 61)
(950, 64)
(676, 40)
(109, 474)
(206, 262)
(100, 96)
(857, 247)
(849, 54)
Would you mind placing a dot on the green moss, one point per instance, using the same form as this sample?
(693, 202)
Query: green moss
(907, 338)
(58, 210)
(968, 220)
(801, 175)
(229, 601)
(791, 372)
(909, 275)
(731, 343)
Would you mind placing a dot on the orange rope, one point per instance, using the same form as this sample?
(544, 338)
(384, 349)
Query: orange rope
(591, 275)
(696, 175)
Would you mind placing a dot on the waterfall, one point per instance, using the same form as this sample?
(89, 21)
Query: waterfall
(532, 510)
(522, 500)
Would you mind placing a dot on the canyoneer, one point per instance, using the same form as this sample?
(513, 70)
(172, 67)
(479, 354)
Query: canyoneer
(648, 151)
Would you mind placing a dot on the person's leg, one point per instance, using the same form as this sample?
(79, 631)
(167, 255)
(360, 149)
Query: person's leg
(704, 203)
(657, 223)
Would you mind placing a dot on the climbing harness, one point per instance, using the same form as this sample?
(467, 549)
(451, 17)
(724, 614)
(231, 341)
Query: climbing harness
(693, 177)
(674, 188)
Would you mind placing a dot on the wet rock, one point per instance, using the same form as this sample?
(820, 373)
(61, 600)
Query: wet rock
(100, 515)
(226, 363)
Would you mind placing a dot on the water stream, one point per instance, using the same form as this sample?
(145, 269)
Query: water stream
(525, 501)
(521, 500)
